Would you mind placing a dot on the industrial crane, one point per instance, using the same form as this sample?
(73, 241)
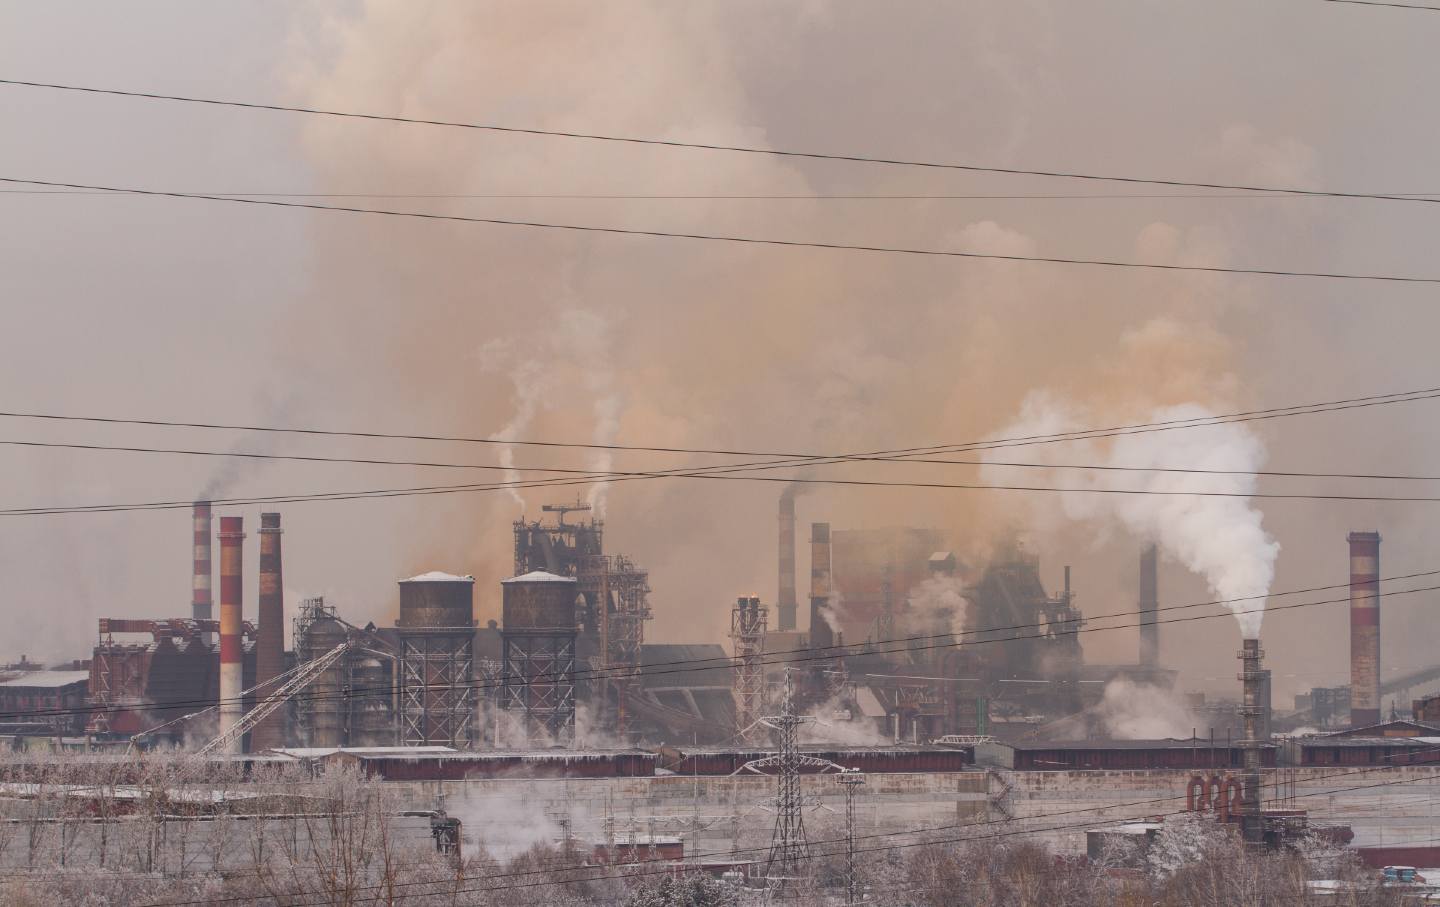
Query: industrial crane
(302, 678)
(291, 682)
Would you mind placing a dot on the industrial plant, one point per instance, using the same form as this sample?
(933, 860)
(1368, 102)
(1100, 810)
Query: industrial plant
(920, 690)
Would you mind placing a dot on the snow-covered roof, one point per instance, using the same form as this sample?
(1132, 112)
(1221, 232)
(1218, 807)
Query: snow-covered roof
(47, 679)
(436, 576)
(319, 752)
(539, 576)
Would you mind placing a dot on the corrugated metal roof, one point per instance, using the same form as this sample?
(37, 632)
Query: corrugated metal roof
(46, 679)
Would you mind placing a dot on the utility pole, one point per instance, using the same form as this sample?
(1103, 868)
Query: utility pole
(851, 779)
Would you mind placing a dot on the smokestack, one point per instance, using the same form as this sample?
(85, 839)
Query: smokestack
(200, 600)
(232, 535)
(821, 635)
(270, 635)
(1149, 608)
(1255, 682)
(1364, 628)
(785, 602)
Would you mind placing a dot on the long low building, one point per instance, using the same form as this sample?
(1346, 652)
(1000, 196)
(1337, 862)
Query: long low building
(441, 763)
(1114, 755)
(712, 761)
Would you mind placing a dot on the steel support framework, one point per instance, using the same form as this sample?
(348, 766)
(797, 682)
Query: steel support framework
(437, 690)
(748, 620)
(538, 682)
(621, 591)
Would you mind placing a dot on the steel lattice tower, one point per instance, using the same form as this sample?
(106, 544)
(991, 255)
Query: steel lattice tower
(788, 847)
(852, 779)
(747, 635)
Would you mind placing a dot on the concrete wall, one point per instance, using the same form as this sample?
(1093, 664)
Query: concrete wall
(713, 815)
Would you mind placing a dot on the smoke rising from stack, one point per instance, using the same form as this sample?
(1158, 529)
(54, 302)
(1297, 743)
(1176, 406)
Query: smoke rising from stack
(202, 573)
(690, 366)
(1219, 538)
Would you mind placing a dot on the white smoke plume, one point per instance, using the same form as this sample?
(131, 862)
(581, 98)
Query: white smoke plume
(1219, 538)
(530, 387)
(936, 606)
(1133, 711)
(838, 721)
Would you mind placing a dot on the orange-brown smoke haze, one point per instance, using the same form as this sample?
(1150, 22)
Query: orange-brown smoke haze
(514, 333)
(526, 333)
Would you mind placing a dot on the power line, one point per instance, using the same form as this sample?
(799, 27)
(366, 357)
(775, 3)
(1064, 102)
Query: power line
(702, 146)
(742, 240)
(907, 645)
(806, 460)
(718, 474)
(1432, 9)
(617, 196)
(918, 461)
(1424, 393)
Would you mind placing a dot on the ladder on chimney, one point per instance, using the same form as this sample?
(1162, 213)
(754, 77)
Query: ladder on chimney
(303, 677)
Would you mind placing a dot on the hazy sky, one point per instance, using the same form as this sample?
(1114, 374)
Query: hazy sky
(169, 309)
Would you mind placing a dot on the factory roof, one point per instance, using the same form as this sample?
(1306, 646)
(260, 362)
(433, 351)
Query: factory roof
(1329, 742)
(1164, 743)
(896, 749)
(46, 679)
(436, 576)
(319, 752)
(539, 576)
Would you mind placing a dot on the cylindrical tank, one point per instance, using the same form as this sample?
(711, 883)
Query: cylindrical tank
(436, 600)
(325, 699)
(538, 601)
(371, 720)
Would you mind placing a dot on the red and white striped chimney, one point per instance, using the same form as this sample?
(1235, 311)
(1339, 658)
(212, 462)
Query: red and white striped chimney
(232, 676)
(200, 599)
(1364, 628)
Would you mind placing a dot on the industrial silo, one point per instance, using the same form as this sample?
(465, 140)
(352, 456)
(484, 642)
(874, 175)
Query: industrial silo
(437, 658)
(538, 669)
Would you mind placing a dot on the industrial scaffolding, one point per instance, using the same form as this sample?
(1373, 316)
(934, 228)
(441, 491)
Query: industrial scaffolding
(622, 592)
(615, 593)
(748, 622)
(437, 689)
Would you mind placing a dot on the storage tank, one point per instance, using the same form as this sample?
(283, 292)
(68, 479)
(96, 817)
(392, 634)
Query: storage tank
(435, 600)
(323, 703)
(372, 723)
(538, 601)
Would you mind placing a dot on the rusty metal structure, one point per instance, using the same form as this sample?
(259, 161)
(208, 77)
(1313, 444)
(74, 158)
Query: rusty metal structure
(351, 702)
(136, 686)
(232, 680)
(436, 630)
(785, 602)
(1364, 628)
(875, 571)
(538, 639)
(614, 595)
(747, 637)
(320, 713)
(270, 643)
(1252, 678)
(1009, 602)
(822, 636)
